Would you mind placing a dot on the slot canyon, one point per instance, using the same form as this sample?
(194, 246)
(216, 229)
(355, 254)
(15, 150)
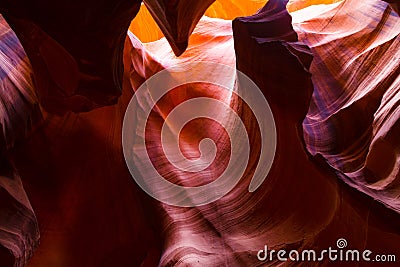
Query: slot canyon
(71, 70)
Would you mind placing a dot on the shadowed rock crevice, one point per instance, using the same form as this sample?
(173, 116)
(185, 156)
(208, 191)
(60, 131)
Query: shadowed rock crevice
(75, 49)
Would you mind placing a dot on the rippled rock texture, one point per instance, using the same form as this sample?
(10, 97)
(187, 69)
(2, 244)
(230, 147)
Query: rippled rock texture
(19, 232)
(353, 119)
(330, 74)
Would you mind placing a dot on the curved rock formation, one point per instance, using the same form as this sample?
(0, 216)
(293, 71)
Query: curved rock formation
(75, 49)
(90, 211)
(19, 112)
(354, 117)
(177, 19)
(145, 28)
(302, 204)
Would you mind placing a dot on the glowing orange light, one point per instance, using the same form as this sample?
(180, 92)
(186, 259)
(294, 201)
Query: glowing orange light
(146, 29)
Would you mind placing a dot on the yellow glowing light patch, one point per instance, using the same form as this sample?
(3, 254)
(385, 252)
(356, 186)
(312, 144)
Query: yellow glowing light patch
(146, 29)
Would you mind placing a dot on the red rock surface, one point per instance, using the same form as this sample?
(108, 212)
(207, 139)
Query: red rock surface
(19, 112)
(354, 116)
(91, 213)
(75, 48)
